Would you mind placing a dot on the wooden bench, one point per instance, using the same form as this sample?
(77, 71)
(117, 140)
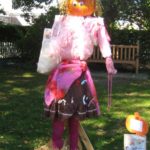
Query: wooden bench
(122, 54)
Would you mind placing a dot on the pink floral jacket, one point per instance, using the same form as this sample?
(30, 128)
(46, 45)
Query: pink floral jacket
(76, 36)
(72, 41)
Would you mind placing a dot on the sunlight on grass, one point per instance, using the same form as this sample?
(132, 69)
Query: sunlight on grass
(5, 113)
(6, 139)
(100, 132)
(27, 75)
(21, 91)
(3, 96)
(144, 104)
(22, 125)
(40, 141)
(137, 94)
(9, 81)
(119, 114)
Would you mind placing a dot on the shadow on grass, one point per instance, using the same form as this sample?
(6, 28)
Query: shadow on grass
(22, 125)
(129, 96)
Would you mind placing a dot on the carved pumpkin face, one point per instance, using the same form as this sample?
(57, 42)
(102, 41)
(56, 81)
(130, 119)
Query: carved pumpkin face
(136, 124)
(80, 7)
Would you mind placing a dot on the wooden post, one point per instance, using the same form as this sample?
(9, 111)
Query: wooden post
(137, 57)
(85, 138)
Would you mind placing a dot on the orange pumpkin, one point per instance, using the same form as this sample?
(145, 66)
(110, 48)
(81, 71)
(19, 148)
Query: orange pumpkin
(80, 7)
(136, 124)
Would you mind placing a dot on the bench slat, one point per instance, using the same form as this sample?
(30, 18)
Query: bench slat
(123, 54)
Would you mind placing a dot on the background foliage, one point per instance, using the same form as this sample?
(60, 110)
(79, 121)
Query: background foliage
(29, 39)
(30, 42)
(134, 11)
(11, 33)
(130, 10)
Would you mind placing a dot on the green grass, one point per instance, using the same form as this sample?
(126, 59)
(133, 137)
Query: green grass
(23, 126)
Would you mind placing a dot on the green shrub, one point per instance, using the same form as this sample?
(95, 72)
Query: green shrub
(31, 42)
(11, 33)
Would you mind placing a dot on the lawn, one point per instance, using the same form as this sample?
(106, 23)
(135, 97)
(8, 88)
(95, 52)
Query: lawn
(23, 126)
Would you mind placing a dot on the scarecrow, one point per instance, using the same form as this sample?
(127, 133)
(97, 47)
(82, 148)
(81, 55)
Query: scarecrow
(70, 94)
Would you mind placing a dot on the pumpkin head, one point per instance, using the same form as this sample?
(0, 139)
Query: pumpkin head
(80, 7)
(136, 124)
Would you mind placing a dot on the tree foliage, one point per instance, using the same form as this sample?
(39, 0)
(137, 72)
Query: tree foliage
(134, 11)
(137, 11)
(29, 4)
(11, 33)
(2, 10)
(31, 42)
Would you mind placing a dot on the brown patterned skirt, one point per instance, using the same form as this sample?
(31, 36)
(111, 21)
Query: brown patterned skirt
(78, 101)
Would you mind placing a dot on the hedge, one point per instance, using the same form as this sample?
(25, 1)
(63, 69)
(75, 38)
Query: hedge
(11, 33)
